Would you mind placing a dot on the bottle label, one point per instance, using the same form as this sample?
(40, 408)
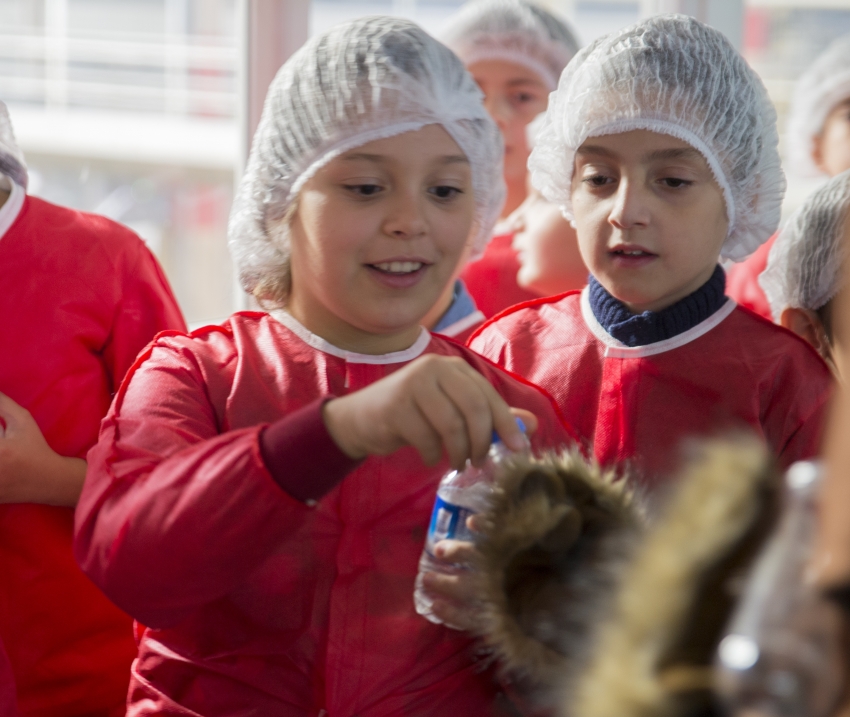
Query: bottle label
(448, 521)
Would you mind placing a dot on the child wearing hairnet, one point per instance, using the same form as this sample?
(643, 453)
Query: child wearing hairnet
(261, 490)
(661, 145)
(81, 297)
(804, 268)
(516, 51)
(818, 141)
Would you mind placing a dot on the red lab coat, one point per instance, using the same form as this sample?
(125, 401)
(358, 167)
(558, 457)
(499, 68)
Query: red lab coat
(742, 281)
(256, 603)
(81, 296)
(636, 406)
(492, 279)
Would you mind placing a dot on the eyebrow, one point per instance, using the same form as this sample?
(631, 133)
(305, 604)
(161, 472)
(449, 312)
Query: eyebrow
(520, 81)
(659, 154)
(445, 159)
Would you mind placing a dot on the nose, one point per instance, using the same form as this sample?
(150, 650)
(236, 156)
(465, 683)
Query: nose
(630, 209)
(405, 218)
(499, 110)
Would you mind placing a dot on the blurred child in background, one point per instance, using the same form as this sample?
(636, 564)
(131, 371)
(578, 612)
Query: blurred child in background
(818, 145)
(81, 297)
(261, 490)
(805, 268)
(516, 51)
(661, 143)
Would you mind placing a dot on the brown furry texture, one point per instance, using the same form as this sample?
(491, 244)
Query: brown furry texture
(653, 656)
(548, 545)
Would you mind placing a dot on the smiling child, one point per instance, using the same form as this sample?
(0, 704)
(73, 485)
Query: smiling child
(661, 145)
(261, 489)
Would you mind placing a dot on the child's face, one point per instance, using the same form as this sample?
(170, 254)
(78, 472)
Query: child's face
(513, 95)
(377, 235)
(650, 217)
(547, 248)
(832, 146)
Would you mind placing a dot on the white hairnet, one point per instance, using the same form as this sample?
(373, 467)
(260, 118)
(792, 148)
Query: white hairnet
(825, 84)
(673, 75)
(361, 81)
(513, 30)
(11, 158)
(804, 267)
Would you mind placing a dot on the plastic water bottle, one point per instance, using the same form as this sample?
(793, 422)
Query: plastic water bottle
(460, 494)
(781, 656)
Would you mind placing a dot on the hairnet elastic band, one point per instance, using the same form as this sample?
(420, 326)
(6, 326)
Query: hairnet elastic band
(674, 130)
(482, 54)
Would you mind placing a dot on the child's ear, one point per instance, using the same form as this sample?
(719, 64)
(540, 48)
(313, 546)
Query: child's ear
(817, 152)
(808, 326)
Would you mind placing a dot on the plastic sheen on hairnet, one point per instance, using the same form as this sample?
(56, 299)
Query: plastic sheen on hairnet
(12, 162)
(823, 86)
(515, 31)
(369, 79)
(804, 267)
(673, 75)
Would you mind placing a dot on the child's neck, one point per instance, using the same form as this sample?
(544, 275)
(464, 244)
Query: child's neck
(653, 326)
(345, 336)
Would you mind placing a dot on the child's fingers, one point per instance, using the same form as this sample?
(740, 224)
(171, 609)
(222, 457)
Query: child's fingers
(12, 414)
(416, 430)
(456, 551)
(445, 419)
(470, 401)
(453, 616)
(462, 588)
(528, 418)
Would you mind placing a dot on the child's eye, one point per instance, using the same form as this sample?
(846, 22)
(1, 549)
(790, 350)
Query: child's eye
(445, 192)
(597, 180)
(676, 183)
(363, 190)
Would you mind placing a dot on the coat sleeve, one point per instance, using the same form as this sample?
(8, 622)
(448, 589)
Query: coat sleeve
(174, 513)
(146, 306)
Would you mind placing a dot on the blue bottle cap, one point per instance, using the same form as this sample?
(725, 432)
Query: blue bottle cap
(496, 438)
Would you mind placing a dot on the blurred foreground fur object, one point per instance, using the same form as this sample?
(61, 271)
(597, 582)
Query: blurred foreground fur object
(653, 655)
(549, 547)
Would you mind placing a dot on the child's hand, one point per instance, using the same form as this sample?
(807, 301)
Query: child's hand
(435, 404)
(455, 597)
(30, 470)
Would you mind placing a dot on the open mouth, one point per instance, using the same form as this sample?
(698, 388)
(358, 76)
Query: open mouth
(631, 253)
(398, 268)
(398, 274)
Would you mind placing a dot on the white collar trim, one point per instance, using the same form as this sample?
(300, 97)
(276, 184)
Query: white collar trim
(461, 325)
(12, 208)
(318, 343)
(617, 349)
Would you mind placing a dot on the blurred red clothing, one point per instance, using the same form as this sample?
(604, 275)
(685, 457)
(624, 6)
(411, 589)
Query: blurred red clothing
(254, 602)
(492, 279)
(8, 699)
(742, 281)
(635, 406)
(81, 297)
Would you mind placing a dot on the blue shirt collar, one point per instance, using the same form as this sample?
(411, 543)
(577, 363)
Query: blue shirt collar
(653, 326)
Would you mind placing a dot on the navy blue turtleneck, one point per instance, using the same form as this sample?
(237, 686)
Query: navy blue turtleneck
(652, 326)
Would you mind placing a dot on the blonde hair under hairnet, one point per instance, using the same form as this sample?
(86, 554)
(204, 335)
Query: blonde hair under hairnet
(805, 264)
(824, 85)
(11, 158)
(361, 81)
(512, 30)
(673, 75)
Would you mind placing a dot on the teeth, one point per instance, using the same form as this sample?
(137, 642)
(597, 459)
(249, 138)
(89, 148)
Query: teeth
(630, 253)
(400, 267)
